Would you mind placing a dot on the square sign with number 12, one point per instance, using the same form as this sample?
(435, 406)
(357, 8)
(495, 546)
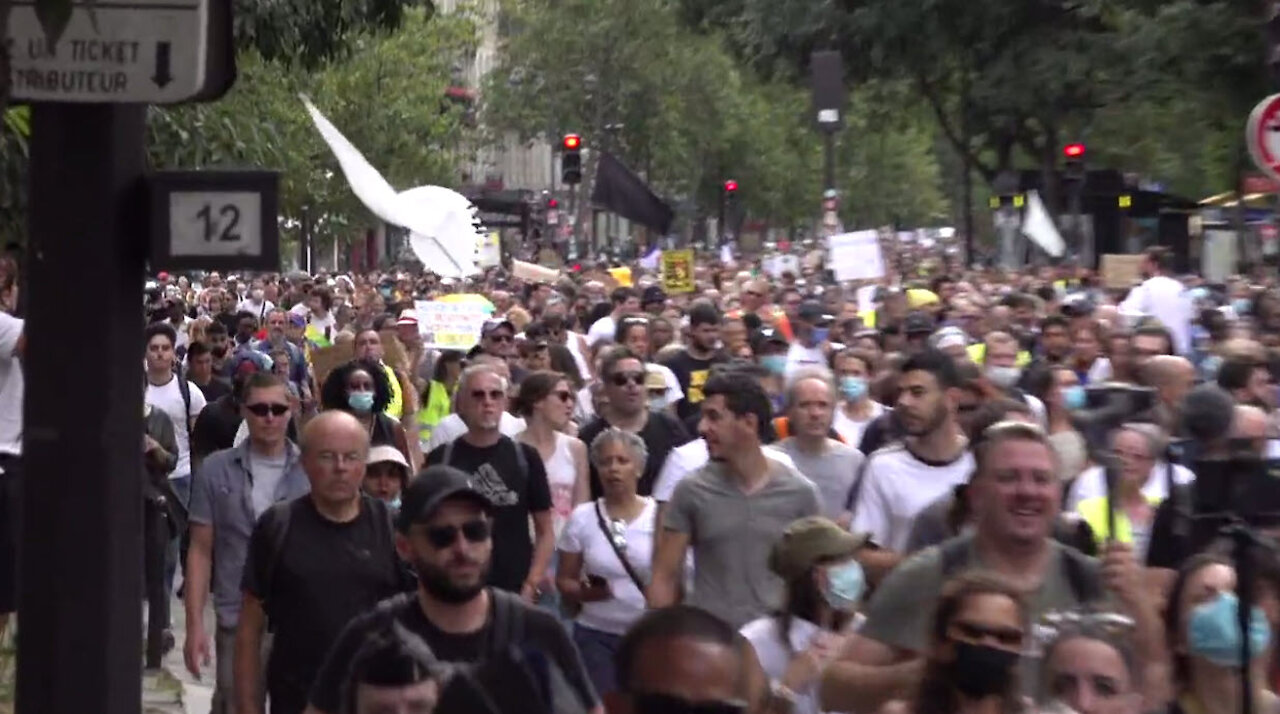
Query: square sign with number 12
(215, 223)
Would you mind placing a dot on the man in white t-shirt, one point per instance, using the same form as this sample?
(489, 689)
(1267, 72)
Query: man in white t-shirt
(625, 302)
(12, 386)
(1163, 297)
(900, 480)
(812, 327)
(169, 391)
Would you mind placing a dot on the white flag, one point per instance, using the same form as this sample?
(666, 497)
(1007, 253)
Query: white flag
(442, 223)
(1039, 227)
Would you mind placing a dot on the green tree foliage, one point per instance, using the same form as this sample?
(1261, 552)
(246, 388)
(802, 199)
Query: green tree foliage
(311, 32)
(691, 115)
(387, 98)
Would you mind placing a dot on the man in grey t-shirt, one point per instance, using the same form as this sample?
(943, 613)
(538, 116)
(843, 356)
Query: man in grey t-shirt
(730, 511)
(831, 465)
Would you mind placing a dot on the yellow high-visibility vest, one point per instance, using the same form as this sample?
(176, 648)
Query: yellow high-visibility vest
(436, 406)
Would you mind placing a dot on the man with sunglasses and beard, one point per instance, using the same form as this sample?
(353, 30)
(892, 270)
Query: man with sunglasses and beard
(314, 563)
(445, 531)
(623, 375)
(511, 475)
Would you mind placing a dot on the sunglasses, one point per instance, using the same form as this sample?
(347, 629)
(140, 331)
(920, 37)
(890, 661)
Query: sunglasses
(261, 410)
(493, 395)
(564, 396)
(620, 379)
(1009, 637)
(501, 338)
(441, 537)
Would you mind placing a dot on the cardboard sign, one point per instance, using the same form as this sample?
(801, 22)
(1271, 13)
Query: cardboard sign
(393, 351)
(677, 271)
(1121, 270)
(325, 359)
(533, 273)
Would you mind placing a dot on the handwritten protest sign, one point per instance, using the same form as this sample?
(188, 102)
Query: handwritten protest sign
(855, 256)
(451, 325)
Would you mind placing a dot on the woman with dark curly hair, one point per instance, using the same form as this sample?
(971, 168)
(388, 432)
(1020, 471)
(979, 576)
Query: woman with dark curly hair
(361, 389)
(979, 630)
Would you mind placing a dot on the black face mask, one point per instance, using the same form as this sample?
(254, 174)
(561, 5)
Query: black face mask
(981, 671)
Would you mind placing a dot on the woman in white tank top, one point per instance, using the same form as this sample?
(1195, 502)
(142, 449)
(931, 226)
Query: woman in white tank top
(546, 402)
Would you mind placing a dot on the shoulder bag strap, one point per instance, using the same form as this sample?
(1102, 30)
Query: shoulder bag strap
(608, 535)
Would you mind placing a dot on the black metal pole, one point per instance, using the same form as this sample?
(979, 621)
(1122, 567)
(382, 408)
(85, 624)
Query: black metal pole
(80, 566)
(304, 241)
(829, 156)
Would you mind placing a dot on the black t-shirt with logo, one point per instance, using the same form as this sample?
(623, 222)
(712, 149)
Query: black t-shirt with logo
(692, 374)
(515, 495)
(661, 433)
(323, 574)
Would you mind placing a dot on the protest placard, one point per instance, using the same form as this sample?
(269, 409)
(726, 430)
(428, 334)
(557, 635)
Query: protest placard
(855, 256)
(677, 271)
(451, 325)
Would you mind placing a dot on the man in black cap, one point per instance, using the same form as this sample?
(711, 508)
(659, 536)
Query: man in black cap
(498, 338)
(653, 300)
(917, 328)
(812, 328)
(444, 529)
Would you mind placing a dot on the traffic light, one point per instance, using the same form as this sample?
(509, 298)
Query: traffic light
(571, 160)
(730, 187)
(1074, 155)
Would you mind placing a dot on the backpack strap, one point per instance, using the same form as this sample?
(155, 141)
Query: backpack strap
(953, 555)
(1081, 576)
(522, 460)
(507, 629)
(448, 452)
(185, 390)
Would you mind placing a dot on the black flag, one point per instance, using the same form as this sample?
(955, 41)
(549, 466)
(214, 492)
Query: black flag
(624, 193)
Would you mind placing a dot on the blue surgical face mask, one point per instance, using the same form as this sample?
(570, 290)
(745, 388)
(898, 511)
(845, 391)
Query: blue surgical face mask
(1213, 631)
(845, 584)
(853, 388)
(1073, 397)
(1241, 305)
(361, 402)
(776, 364)
(394, 504)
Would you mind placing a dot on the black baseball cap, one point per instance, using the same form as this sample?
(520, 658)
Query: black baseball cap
(918, 323)
(814, 313)
(431, 487)
(653, 294)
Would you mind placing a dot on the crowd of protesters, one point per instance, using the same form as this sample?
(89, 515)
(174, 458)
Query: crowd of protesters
(953, 490)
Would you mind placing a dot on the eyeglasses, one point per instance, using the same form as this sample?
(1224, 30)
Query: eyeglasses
(564, 396)
(620, 379)
(493, 395)
(263, 409)
(441, 537)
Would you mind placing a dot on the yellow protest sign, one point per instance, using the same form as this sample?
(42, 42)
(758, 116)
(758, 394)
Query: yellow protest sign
(677, 271)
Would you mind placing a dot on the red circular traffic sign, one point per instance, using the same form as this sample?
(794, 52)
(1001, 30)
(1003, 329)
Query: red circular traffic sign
(1263, 136)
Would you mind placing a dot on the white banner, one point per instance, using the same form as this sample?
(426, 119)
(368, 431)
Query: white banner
(855, 256)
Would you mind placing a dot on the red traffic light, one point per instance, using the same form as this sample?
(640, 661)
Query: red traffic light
(552, 203)
(730, 186)
(1073, 151)
(572, 142)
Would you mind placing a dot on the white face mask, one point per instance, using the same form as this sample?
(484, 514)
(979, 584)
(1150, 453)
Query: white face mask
(1004, 377)
(657, 404)
(257, 295)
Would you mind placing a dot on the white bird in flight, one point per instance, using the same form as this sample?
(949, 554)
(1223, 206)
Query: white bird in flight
(443, 225)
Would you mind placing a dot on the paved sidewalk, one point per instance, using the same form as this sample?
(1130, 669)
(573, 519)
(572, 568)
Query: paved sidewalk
(197, 696)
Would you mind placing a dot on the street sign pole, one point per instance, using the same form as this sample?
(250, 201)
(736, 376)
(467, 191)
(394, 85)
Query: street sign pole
(81, 545)
(81, 541)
